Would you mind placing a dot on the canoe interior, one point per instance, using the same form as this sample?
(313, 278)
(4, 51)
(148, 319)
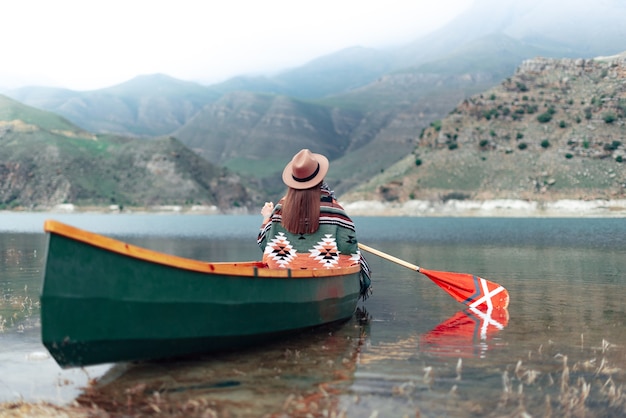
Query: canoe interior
(107, 301)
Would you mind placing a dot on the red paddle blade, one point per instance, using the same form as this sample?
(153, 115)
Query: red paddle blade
(471, 290)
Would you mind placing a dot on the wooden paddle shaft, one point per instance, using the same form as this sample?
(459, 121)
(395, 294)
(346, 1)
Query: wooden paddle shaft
(389, 257)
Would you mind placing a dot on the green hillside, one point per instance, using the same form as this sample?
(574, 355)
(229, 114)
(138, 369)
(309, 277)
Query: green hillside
(12, 110)
(45, 161)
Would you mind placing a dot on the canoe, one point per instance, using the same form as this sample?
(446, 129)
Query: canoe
(105, 301)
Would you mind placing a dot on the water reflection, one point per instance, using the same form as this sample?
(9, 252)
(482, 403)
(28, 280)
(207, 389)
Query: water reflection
(21, 258)
(468, 333)
(293, 377)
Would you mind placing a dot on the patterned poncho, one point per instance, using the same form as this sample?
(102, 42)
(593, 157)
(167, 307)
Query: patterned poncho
(334, 244)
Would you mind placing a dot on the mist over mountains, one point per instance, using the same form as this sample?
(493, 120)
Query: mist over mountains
(573, 29)
(365, 108)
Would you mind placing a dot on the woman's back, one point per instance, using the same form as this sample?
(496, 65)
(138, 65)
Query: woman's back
(333, 244)
(308, 228)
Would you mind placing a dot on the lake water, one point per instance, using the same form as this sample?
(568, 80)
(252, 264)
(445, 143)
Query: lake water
(412, 351)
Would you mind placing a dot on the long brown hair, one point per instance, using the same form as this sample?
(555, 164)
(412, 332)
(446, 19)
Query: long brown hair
(301, 210)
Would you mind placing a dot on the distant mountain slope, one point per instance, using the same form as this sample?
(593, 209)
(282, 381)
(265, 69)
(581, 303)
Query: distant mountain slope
(496, 54)
(258, 133)
(336, 73)
(45, 160)
(144, 106)
(554, 129)
(330, 74)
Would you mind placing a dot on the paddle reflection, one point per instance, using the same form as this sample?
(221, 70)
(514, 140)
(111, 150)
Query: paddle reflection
(296, 375)
(468, 333)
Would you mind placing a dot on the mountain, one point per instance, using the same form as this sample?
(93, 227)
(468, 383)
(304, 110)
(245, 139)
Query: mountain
(257, 134)
(554, 129)
(491, 38)
(336, 73)
(46, 160)
(328, 75)
(577, 28)
(378, 121)
(496, 54)
(149, 105)
(364, 108)
(402, 103)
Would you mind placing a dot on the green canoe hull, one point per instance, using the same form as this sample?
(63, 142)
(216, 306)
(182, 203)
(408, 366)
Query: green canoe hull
(105, 301)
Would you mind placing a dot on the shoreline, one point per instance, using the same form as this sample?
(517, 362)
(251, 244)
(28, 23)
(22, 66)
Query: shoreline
(564, 208)
(517, 208)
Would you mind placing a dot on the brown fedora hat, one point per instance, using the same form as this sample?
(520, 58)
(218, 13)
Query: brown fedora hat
(305, 170)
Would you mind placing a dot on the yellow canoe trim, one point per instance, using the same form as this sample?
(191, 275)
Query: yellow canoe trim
(245, 269)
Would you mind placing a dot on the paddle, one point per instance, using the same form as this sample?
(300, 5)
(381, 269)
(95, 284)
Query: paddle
(471, 290)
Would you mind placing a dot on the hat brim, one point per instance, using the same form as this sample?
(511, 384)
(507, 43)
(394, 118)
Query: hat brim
(294, 184)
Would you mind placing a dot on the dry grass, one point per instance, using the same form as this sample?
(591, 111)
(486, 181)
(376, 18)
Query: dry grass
(21, 409)
(547, 383)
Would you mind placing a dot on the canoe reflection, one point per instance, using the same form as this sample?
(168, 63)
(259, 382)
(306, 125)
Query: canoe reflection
(468, 333)
(304, 373)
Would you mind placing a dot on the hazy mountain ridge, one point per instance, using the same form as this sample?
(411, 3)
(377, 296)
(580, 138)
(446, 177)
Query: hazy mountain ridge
(555, 129)
(577, 28)
(151, 105)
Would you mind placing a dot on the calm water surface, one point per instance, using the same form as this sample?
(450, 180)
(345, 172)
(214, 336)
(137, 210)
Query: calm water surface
(561, 349)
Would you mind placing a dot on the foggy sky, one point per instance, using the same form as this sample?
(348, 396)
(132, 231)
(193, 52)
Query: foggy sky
(85, 45)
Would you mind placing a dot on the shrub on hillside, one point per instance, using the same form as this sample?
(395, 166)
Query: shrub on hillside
(610, 118)
(544, 117)
(612, 146)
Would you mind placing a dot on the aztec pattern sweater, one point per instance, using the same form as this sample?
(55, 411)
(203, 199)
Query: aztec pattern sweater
(334, 244)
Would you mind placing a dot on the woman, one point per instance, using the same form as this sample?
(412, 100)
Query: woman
(308, 228)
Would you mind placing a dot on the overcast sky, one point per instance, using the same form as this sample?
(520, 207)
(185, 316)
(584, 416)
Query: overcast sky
(92, 44)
